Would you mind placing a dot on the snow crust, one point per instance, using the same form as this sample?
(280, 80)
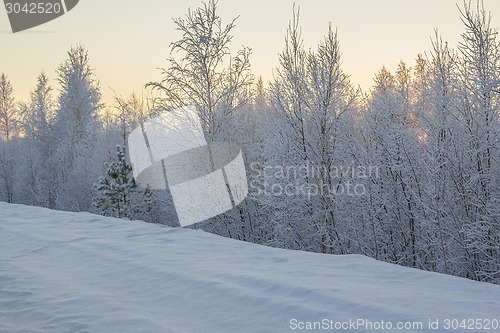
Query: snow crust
(78, 272)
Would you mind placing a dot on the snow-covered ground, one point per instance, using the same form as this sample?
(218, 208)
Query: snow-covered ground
(77, 272)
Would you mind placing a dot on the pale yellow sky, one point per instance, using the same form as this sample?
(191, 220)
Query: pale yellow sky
(128, 40)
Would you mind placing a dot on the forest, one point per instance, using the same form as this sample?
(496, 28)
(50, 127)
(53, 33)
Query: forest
(407, 172)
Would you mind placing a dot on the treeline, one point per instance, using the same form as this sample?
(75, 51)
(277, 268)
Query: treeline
(407, 173)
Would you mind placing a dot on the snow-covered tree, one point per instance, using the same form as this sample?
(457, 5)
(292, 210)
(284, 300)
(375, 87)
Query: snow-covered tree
(9, 113)
(128, 114)
(202, 71)
(479, 110)
(117, 193)
(9, 125)
(74, 138)
(311, 96)
(206, 74)
(430, 131)
(134, 111)
(37, 114)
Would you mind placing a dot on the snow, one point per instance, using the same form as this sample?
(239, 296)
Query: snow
(78, 272)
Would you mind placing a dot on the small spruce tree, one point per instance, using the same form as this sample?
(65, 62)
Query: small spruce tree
(117, 192)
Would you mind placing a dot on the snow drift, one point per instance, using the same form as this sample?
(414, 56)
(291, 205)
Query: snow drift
(77, 272)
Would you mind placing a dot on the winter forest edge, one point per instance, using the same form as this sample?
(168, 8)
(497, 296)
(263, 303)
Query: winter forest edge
(407, 173)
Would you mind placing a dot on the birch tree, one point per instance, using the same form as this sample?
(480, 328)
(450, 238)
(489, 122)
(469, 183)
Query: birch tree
(74, 138)
(9, 124)
(202, 71)
(480, 107)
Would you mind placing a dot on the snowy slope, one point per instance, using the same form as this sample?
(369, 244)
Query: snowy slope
(68, 272)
